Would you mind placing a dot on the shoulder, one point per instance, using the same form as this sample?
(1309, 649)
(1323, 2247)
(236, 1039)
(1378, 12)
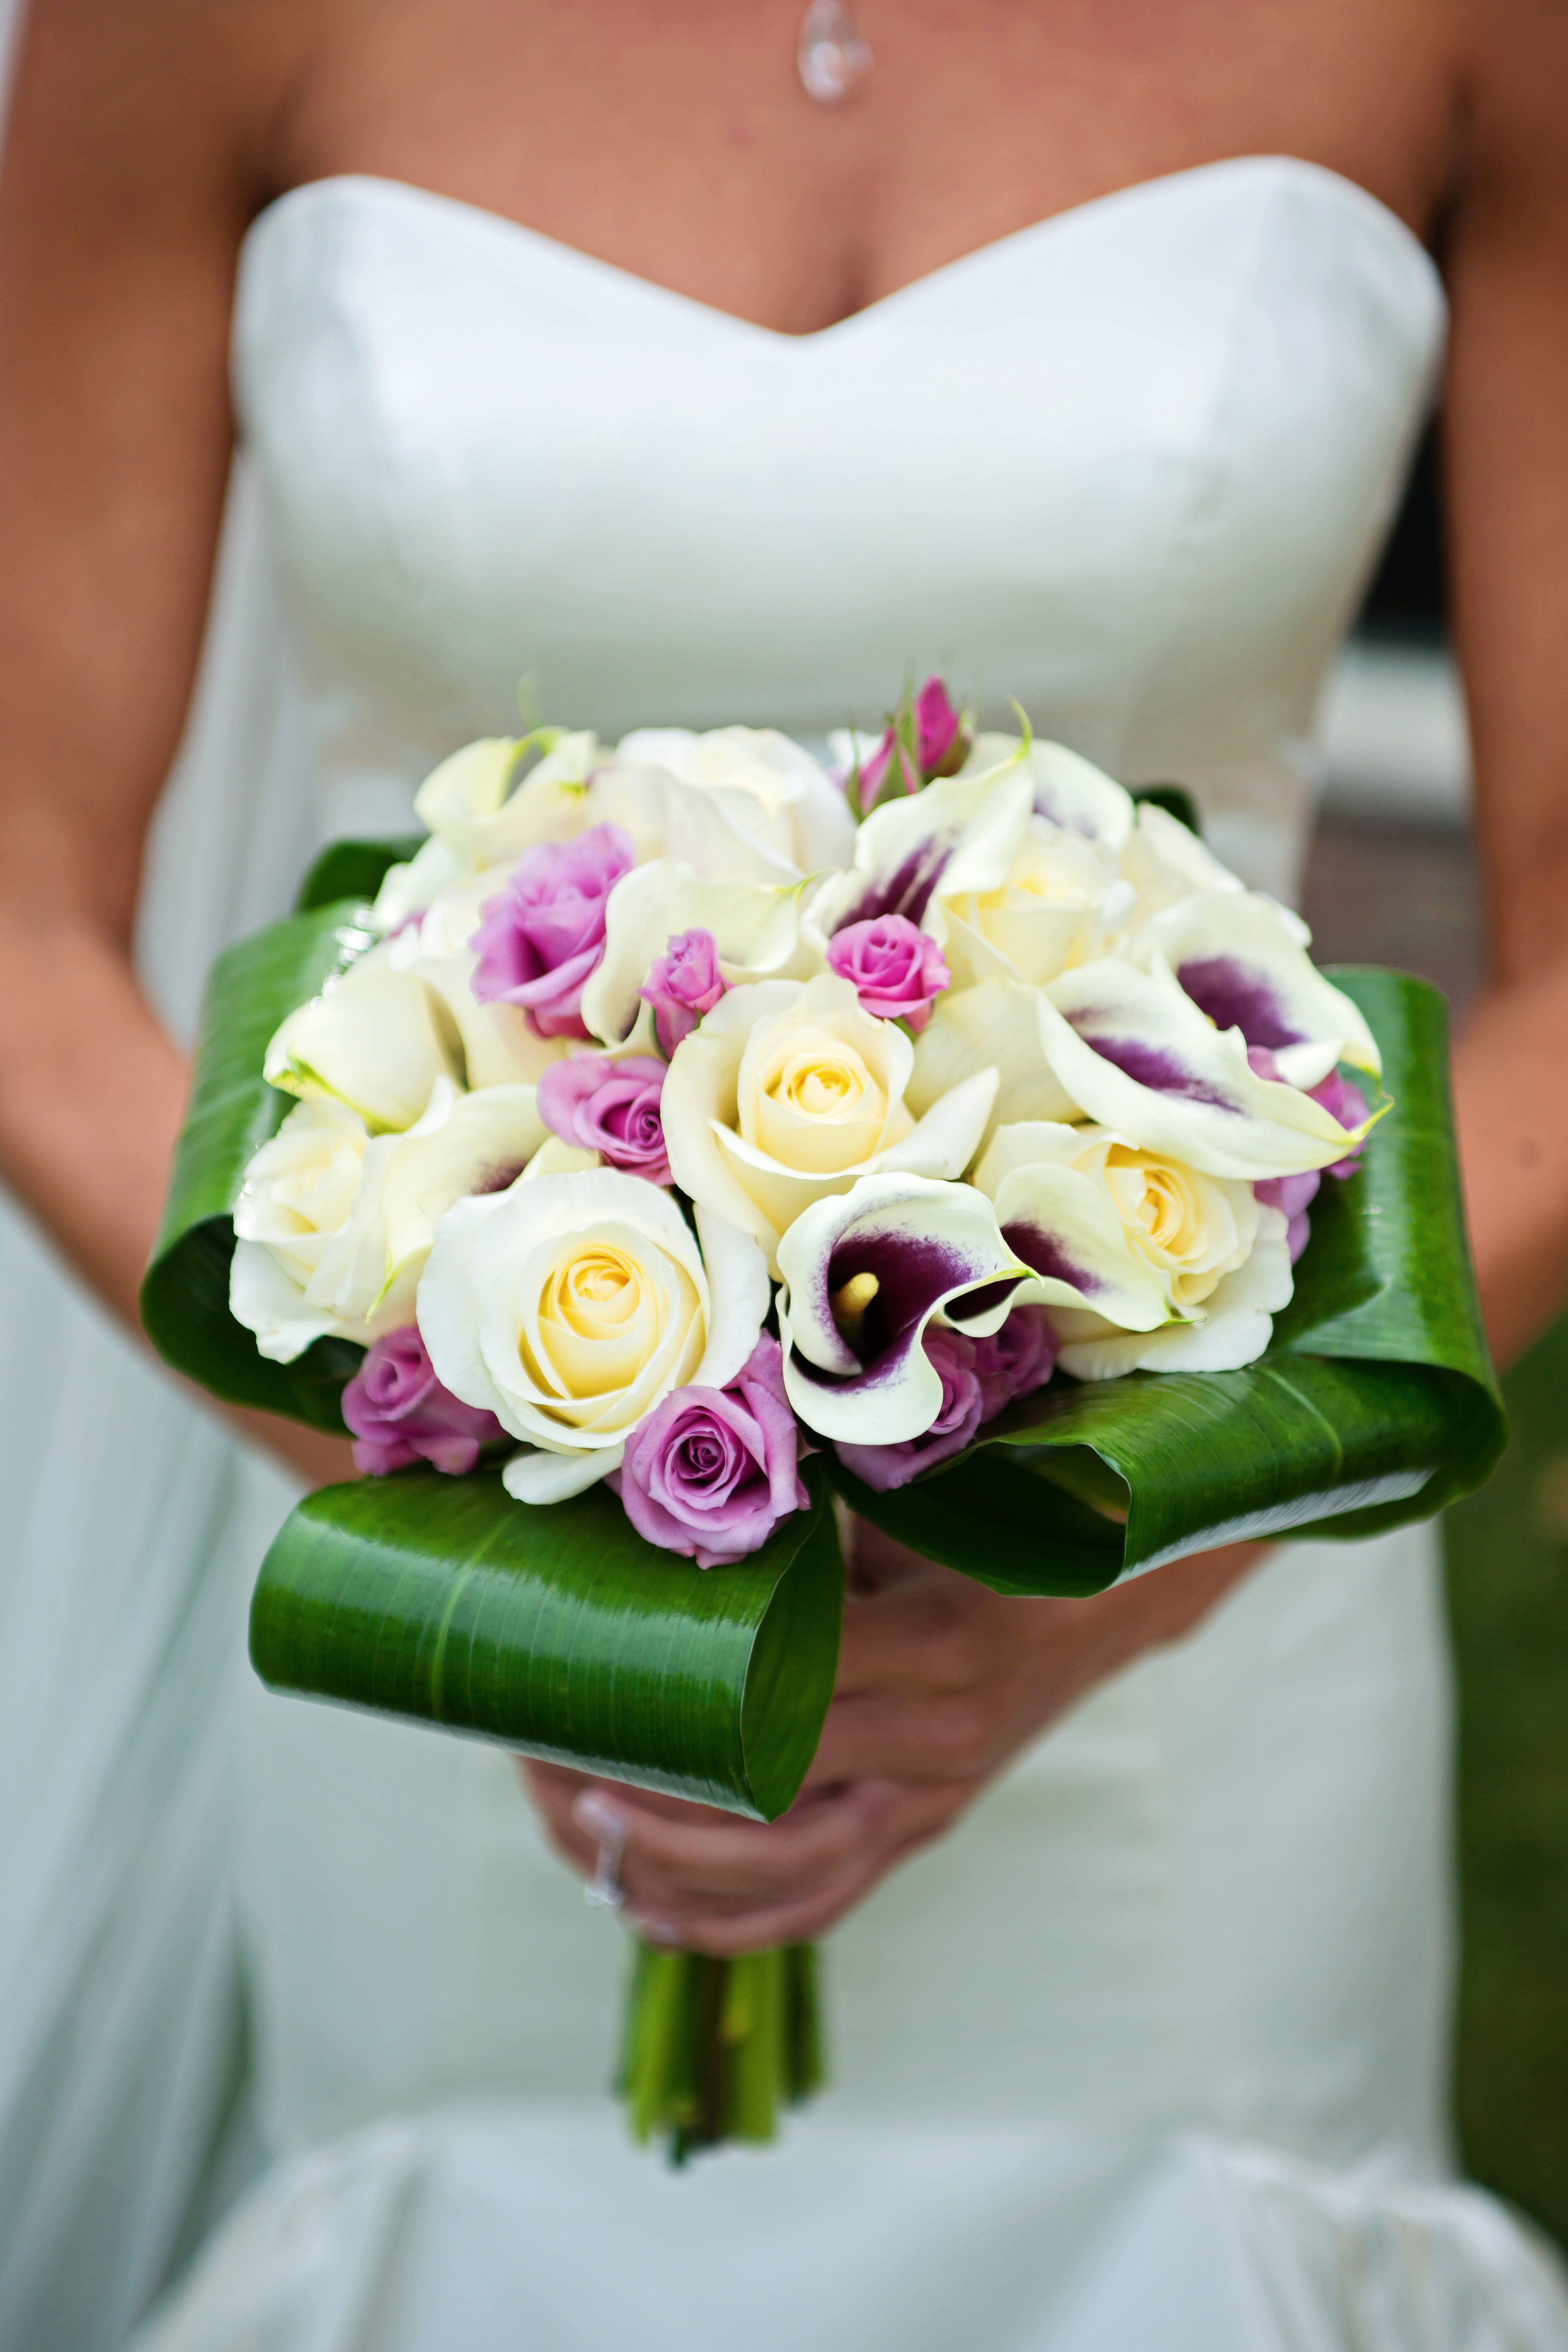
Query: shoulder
(127, 112)
(1513, 110)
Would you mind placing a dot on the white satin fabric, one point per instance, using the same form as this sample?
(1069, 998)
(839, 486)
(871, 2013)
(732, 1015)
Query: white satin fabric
(1149, 2052)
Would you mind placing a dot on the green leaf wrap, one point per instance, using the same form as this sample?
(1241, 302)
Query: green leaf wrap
(232, 1112)
(1375, 1403)
(560, 1631)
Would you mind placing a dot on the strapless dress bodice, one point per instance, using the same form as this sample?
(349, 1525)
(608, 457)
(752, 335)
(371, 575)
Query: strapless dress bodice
(1130, 464)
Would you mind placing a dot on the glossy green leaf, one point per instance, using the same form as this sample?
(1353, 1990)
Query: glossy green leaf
(232, 1112)
(1174, 799)
(560, 1631)
(353, 869)
(1375, 1404)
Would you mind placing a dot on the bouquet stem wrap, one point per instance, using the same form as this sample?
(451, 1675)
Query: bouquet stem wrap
(714, 2050)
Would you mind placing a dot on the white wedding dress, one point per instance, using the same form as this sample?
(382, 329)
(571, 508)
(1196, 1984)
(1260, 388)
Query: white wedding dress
(1150, 2051)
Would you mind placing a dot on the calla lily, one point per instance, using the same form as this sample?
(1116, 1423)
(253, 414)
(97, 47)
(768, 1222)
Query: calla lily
(1244, 962)
(755, 928)
(1235, 1329)
(1137, 1056)
(465, 1143)
(958, 835)
(998, 1022)
(864, 1274)
(1069, 790)
(1060, 1221)
(375, 1039)
(1165, 861)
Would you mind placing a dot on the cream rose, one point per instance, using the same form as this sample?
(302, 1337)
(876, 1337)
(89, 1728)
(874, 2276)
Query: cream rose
(332, 1225)
(1059, 904)
(788, 1091)
(736, 804)
(1125, 1240)
(570, 1306)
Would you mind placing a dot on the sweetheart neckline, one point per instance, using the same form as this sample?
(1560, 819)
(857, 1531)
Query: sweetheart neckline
(1355, 200)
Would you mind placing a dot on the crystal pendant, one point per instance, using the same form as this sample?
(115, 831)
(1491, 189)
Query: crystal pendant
(833, 56)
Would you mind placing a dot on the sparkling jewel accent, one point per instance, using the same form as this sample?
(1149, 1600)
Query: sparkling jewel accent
(833, 56)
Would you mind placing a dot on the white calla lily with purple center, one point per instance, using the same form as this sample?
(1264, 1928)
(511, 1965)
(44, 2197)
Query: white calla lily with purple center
(957, 834)
(1135, 1053)
(1243, 961)
(864, 1274)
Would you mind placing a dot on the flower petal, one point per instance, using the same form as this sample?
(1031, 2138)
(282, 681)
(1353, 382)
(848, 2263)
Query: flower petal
(537, 1476)
(1062, 1222)
(739, 1294)
(998, 1024)
(923, 1245)
(1235, 1329)
(1139, 1056)
(756, 930)
(371, 1040)
(1241, 959)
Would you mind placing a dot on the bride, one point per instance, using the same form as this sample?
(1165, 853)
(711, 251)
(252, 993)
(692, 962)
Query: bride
(1079, 350)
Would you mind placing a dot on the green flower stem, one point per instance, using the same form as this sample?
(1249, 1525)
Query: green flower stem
(714, 2050)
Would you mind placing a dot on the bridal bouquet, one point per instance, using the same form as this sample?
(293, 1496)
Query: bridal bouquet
(684, 1133)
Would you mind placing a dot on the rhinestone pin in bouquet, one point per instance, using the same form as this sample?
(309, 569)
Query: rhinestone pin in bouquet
(685, 1134)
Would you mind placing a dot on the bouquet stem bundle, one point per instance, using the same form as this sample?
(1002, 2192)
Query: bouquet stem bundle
(713, 2049)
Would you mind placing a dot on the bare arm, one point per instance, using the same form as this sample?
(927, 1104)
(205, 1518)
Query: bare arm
(1508, 479)
(129, 175)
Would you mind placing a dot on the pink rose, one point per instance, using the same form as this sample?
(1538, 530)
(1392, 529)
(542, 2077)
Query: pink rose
(684, 984)
(962, 1410)
(399, 1412)
(940, 742)
(896, 968)
(539, 940)
(610, 1107)
(712, 1472)
(1016, 1360)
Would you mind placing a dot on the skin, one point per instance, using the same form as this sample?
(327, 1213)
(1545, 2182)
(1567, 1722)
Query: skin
(674, 141)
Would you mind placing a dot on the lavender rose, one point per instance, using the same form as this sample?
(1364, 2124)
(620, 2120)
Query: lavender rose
(897, 970)
(962, 1410)
(399, 1412)
(684, 984)
(610, 1107)
(1016, 1360)
(541, 939)
(712, 1472)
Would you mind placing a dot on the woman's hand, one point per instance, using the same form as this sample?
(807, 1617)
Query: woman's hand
(940, 1683)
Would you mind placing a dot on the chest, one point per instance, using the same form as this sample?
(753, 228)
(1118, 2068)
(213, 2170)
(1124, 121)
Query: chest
(679, 143)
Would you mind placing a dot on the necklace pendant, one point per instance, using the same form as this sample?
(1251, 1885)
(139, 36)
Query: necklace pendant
(834, 56)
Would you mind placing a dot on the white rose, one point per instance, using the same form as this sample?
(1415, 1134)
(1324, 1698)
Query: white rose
(737, 804)
(787, 1092)
(571, 1306)
(332, 1225)
(374, 1039)
(1059, 901)
(479, 815)
(499, 1047)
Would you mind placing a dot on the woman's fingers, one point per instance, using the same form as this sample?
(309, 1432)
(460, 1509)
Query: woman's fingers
(683, 1853)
